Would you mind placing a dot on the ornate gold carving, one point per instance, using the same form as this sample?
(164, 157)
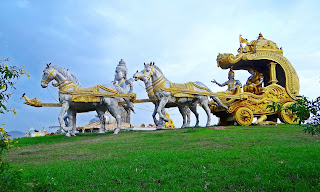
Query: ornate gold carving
(292, 80)
(258, 103)
(37, 103)
(228, 58)
(170, 123)
(184, 86)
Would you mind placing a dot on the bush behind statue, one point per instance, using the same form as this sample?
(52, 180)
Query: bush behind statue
(307, 113)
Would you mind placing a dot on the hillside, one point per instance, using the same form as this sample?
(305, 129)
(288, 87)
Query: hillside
(274, 158)
(16, 134)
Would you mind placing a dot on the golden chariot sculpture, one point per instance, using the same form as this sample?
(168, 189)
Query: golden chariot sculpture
(273, 79)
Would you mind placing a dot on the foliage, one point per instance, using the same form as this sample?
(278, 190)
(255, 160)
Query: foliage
(267, 158)
(9, 178)
(312, 125)
(307, 113)
(275, 106)
(8, 75)
(301, 108)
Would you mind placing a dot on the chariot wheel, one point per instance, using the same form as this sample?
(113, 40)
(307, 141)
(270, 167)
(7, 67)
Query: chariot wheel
(286, 116)
(244, 116)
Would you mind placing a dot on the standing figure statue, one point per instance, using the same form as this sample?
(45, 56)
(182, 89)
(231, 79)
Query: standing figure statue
(254, 82)
(234, 86)
(123, 85)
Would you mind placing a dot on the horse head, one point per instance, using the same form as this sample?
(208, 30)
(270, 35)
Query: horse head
(49, 73)
(147, 72)
(141, 76)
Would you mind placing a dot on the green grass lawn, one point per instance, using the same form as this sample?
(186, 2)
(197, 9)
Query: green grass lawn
(270, 158)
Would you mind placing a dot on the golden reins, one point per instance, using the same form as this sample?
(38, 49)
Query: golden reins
(50, 73)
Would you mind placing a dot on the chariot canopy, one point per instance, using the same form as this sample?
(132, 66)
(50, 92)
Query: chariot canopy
(265, 57)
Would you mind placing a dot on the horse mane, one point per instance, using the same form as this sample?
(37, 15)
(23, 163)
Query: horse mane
(67, 74)
(156, 67)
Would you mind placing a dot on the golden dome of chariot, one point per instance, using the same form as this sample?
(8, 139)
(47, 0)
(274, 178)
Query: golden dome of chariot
(263, 45)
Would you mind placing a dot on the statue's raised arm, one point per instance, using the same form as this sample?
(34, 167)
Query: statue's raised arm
(234, 86)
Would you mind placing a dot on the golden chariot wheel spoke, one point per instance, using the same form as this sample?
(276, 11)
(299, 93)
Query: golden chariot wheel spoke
(244, 116)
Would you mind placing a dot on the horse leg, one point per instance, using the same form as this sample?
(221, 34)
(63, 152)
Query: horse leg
(216, 99)
(118, 118)
(162, 123)
(156, 122)
(100, 113)
(66, 119)
(188, 116)
(72, 121)
(64, 108)
(162, 104)
(115, 111)
(193, 108)
(183, 111)
(205, 106)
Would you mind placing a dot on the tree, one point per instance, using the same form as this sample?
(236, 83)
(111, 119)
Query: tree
(312, 124)
(307, 113)
(8, 76)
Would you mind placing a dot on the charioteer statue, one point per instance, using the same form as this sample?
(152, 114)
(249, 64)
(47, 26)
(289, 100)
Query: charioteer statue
(234, 86)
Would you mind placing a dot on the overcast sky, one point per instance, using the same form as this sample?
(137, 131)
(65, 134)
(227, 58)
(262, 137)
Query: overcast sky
(182, 37)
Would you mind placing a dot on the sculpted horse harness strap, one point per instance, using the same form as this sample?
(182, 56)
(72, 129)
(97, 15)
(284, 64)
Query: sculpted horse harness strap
(176, 89)
(50, 74)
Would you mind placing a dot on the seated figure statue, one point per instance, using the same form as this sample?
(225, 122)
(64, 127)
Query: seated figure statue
(234, 86)
(254, 82)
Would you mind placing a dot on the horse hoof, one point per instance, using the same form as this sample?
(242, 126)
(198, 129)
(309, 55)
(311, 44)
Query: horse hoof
(160, 127)
(67, 135)
(116, 131)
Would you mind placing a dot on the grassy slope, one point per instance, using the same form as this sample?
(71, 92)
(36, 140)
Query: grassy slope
(276, 158)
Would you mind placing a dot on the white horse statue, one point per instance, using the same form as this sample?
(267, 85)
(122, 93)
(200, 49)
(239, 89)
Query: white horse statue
(75, 99)
(184, 110)
(188, 94)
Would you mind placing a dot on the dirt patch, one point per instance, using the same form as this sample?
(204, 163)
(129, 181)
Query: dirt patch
(157, 131)
(218, 128)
